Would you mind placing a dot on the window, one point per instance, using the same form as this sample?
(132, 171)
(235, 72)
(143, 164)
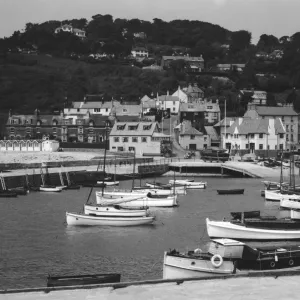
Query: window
(287, 127)
(184, 114)
(125, 139)
(116, 139)
(261, 147)
(174, 109)
(287, 137)
(247, 146)
(78, 109)
(281, 146)
(251, 136)
(261, 135)
(292, 119)
(120, 127)
(91, 130)
(12, 130)
(106, 109)
(28, 130)
(282, 118)
(192, 136)
(134, 139)
(131, 148)
(124, 110)
(292, 129)
(38, 123)
(205, 138)
(173, 102)
(292, 138)
(120, 149)
(31, 121)
(263, 117)
(96, 109)
(54, 129)
(91, 123)
(147, 127)
(132, 127)
(281, 135)
(79, 122)
(144, 140)
(209, 107)
(275, 147)
(268, 147)
(80, 130)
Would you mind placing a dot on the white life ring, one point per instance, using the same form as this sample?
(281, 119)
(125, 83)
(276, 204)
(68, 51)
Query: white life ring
(219, 261)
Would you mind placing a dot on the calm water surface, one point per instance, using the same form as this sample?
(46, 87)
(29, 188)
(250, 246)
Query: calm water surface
(35, 241)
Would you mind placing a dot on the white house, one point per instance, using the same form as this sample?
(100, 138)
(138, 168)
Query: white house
(50, 145)
(183, 97)
(255, 134)
(69, 28)
(139, 52)
(142, 137)
(169, 102)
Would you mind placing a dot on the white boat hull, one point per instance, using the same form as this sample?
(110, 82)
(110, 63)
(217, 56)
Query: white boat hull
(180, 190)
(189, 184)
(275, 195)
(109, 183)
(51, 189)
(181, 267)
(74, 219)
(290, 203)
(225, 229)
(111, 211)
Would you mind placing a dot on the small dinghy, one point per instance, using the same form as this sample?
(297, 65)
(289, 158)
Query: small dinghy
(109, 183)
(231, 192)
(49, 188)
(188, 184)
(54, 281)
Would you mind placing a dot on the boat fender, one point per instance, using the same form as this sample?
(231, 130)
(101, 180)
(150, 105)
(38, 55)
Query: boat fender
(219, 261)
(291, 262)
(197, 251)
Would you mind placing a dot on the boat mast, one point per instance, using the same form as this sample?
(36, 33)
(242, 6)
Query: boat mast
(292, 172)
(104, 161)
(133, 170)
(281, 171)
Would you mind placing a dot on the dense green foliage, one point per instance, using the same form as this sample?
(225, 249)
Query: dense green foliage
(63, 71)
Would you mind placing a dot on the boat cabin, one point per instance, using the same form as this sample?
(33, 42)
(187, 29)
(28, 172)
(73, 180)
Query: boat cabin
(233, 249)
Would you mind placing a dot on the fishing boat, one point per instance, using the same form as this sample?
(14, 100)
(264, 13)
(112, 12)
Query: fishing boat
(188, 184)
(147, 190)
(76, 219)
(138, 193)
(49, 188)
(114, 211)
(231, 192)
(228, 256)
(254, 229)
(54, 281)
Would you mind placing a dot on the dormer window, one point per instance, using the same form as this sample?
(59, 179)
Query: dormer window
(91, 123)
(147, 127)
(124, 110)
(120, 127)
(132, 127)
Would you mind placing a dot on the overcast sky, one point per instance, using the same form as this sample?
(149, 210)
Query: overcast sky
(277, 17)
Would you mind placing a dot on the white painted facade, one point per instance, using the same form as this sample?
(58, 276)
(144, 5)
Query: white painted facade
(183, 97)
(254, 141)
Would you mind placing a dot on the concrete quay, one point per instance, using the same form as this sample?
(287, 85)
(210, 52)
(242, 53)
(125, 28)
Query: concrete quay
(234, 168)
(271, 285)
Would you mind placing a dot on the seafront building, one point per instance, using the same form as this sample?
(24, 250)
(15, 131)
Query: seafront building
(251, 134)
(144, 138)
(287, 115)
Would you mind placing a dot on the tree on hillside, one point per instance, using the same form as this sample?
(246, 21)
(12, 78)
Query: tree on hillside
(240, 40)
(267, 42)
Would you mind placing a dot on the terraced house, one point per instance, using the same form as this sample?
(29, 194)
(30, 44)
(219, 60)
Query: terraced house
(80, 127)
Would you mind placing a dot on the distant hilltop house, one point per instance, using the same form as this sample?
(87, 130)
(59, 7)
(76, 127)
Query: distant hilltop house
(196, 63)
(140, 35)
(256, 97)
(139, 52)
(69, 28)
(229, 67)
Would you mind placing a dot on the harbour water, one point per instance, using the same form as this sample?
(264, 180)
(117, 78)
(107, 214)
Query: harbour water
(35, 241)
